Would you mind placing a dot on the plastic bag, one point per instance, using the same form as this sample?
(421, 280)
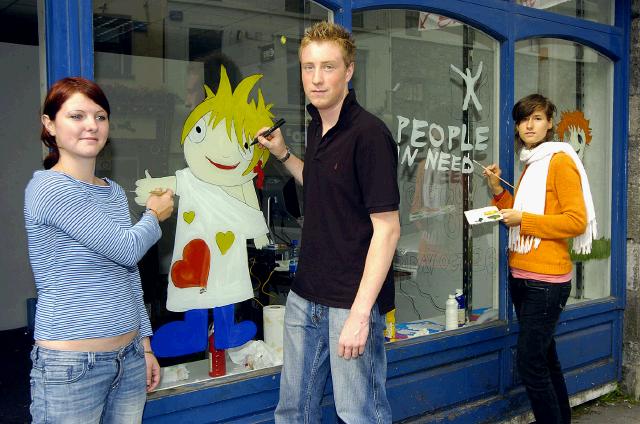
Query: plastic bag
(254, 354)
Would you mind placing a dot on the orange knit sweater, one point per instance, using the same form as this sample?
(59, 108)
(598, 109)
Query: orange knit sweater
(564, 217)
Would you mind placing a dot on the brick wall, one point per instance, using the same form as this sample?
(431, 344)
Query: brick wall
(631, 348)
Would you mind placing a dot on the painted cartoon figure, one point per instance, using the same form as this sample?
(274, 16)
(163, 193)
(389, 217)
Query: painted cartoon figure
(576, 126)
(218, 212)
(574, 129)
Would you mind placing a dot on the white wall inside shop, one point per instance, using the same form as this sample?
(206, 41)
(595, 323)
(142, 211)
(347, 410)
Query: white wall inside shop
(22, 154)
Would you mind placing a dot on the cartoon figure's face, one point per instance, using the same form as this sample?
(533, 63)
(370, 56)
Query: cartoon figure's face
(217, 134)
(216, 158)
(574, 129)
(577, 139)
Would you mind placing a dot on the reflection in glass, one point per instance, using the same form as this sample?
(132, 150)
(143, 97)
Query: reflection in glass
(20, 83)
(433, 81)
(579, 81)
(592, 10)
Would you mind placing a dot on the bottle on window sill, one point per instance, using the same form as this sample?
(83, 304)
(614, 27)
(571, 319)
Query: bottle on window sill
(217, 360)
(451, 313)
(462, 306)
(293, 259)
(390, 327)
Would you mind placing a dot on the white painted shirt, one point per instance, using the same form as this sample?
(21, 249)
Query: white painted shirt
(210, 267)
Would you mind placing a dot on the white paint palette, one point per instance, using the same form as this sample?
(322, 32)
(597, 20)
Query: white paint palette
(483, 215)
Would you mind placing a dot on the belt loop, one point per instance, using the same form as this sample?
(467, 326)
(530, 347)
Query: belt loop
(91, 359)
(36, 352)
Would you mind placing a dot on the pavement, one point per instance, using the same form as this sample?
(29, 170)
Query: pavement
(607, 412)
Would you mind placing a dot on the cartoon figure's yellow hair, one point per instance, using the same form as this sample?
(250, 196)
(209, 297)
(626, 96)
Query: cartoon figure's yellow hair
(241, 117)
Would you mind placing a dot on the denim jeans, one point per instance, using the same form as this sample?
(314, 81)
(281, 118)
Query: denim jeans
(88, 387)
(311, 333)
(538, 306)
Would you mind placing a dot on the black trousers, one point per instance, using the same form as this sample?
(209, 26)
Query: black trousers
(538, 306)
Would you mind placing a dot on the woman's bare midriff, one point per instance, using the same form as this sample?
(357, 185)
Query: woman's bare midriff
(101, 344)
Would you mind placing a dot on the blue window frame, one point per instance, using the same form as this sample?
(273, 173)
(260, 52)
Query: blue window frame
(69, 39)
(70, 52)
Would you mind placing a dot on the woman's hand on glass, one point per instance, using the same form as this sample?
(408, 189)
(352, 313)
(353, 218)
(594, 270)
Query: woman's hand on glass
(161, 203)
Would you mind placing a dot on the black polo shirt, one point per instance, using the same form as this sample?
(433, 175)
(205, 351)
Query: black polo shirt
(348, 174)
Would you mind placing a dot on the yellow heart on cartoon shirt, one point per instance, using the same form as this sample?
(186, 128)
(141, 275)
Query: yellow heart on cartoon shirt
(188, 216)
(224, 241)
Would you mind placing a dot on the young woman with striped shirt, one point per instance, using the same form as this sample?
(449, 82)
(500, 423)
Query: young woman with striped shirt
(92, 360)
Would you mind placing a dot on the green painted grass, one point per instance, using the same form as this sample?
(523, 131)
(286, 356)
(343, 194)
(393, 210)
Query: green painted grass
(600, 249)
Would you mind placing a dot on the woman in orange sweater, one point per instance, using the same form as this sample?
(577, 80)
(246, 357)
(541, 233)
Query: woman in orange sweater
(552, 204)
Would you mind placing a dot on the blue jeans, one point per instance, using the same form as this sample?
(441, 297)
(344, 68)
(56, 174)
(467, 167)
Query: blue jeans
(538, 306)
(88, 387)
(311, 333)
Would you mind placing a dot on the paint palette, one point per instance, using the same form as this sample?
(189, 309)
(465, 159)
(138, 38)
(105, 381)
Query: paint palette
(483, 215)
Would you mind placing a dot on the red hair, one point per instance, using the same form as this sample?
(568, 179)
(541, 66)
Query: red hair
(574, 119)
(58, 94)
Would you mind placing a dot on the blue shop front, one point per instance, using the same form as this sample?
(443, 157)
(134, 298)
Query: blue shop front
(443, 76)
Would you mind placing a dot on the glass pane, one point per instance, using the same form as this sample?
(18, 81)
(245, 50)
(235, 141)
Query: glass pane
(22, 87)
(20, 83)
(592, 10)
(579, 82)
(152, 59)
(434, 82)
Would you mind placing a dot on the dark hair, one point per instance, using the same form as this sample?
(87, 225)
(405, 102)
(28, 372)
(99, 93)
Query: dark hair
(526, 107)
(58, 94)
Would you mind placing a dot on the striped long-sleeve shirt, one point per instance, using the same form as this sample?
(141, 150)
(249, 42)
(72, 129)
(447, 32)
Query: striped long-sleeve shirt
(83, 251)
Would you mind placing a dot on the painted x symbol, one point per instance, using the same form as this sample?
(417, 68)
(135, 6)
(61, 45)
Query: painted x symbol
(470, 82)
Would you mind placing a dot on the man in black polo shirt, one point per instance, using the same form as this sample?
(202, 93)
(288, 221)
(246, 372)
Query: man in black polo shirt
(334, 319)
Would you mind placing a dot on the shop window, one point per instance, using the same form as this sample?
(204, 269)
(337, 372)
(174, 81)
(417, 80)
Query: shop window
(21, 81)
(152, 59)
(601, 11)
(113, 34)
(19, 23)
(434, 80)
(297, 6)
(579, 81)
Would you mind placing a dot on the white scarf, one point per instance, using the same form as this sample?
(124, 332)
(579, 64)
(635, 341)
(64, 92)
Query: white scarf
(531, 196)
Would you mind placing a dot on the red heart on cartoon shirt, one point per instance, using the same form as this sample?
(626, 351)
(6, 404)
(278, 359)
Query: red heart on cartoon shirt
(193, 269)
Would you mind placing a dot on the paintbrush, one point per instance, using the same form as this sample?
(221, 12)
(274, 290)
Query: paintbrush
(485, 168)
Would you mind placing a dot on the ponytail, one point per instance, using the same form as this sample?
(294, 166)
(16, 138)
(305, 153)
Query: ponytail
(52, 158)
